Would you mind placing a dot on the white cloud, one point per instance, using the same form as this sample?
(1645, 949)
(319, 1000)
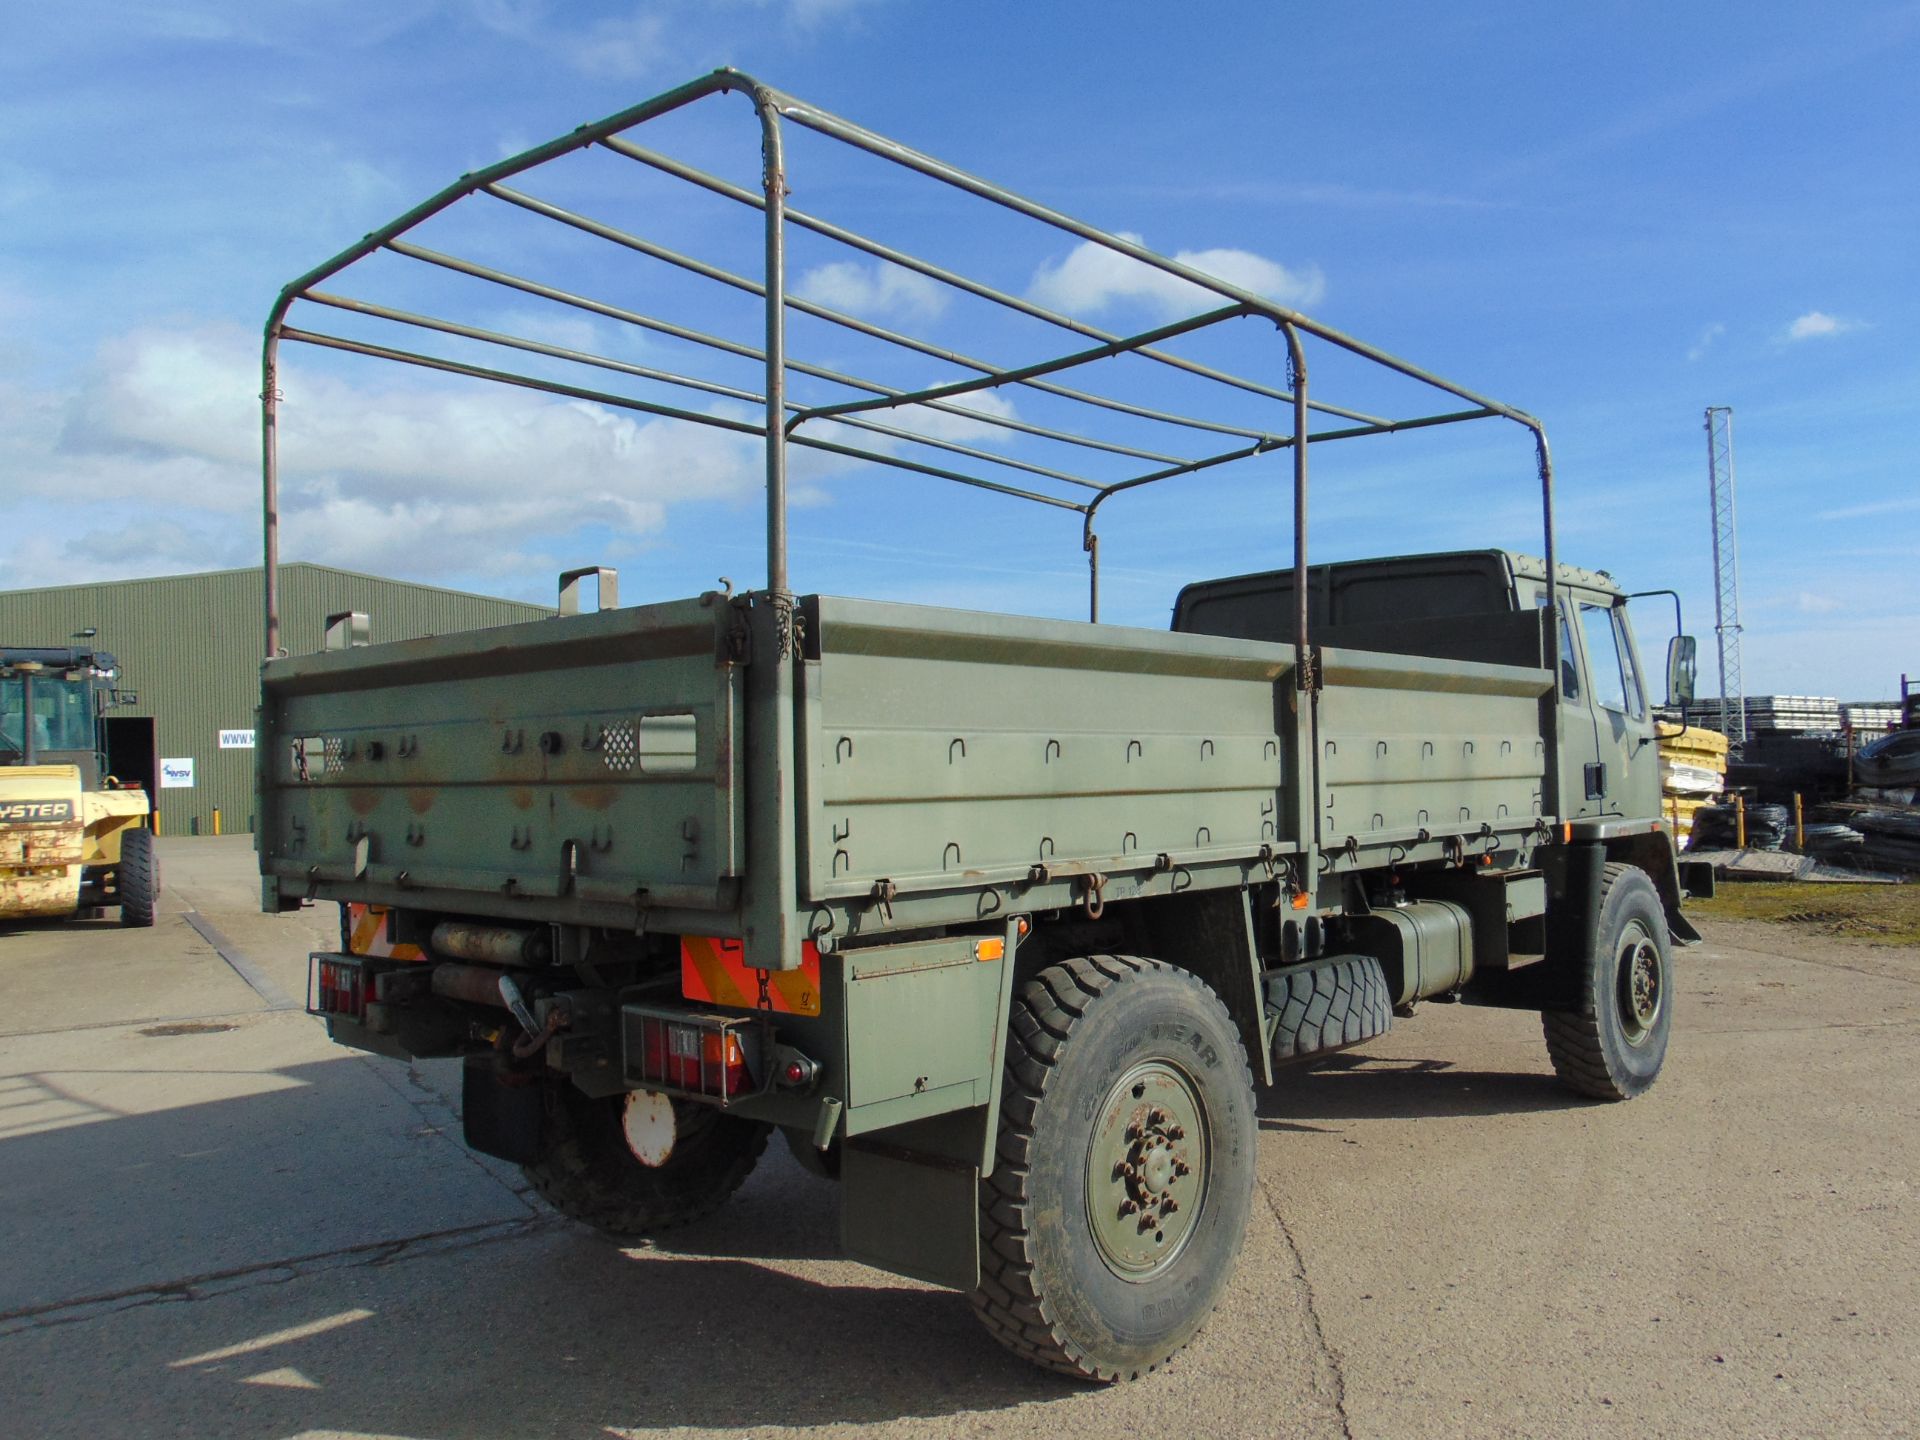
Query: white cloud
(647, 40)
(1705, 343)
(808, 14)
(880, 289)
(946, 425)
(1817, 324)
(617, 47)
(380, 471)
(628, 47)
(1092, 277)
(1871, 507)
(925, 420)
(1808, 603)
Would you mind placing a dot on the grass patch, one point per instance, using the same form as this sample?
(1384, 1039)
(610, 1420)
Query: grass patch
(1876, 914)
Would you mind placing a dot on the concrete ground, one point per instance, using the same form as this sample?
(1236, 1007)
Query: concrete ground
(216, 1224)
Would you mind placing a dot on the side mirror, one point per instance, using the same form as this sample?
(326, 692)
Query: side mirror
(1681, 665)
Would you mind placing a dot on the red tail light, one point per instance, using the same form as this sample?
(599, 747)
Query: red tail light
(693, 1058)
(339, 987)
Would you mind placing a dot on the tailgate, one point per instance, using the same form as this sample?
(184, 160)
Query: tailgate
(586, 758)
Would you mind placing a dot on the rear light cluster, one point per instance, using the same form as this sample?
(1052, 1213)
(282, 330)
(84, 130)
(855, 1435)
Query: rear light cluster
(706, 1056)
(339, 987)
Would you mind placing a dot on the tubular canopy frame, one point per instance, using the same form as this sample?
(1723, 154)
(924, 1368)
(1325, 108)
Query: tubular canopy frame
(782, 419)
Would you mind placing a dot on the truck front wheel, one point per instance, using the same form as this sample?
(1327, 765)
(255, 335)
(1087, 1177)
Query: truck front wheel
(590, 1169)
(1612, 1045)
(1110, 1225)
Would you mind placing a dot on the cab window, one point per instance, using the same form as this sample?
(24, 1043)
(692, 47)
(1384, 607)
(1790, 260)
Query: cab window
(1615, 686)
(1569, 657)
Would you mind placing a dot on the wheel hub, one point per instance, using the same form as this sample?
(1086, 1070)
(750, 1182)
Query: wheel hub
(1641, 989)
(1146, 1170)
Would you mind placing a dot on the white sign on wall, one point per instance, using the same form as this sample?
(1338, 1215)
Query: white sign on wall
(236, 739)
(176, 774)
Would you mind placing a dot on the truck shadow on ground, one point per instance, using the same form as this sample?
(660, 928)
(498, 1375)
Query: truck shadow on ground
(555, 1335)
(1356, 1086)
(197, 1217)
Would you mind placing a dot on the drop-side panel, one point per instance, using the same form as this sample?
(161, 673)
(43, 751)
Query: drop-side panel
(1444, 746)
(588, 756)
(945, 748)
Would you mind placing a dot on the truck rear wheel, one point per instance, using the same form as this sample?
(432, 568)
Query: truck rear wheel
(1613, 1045)
(1118, 1201)
(589, 1171)
(138, 879)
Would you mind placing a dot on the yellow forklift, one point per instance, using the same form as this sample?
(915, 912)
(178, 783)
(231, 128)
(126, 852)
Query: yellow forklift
(73, 839)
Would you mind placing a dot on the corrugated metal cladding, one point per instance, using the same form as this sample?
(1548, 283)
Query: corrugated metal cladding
(189, 646)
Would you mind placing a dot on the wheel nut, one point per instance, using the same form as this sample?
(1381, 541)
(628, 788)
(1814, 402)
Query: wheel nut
(1127, 1207)
(1169, 1205)
(1180, 1167)
(1177, 1132)
(1147, 1222)
(1156, 1117)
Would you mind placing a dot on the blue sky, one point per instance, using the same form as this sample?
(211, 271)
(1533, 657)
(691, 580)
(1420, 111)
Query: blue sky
(1612, 218)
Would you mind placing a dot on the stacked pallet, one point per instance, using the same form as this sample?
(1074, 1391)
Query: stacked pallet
(1693, 772)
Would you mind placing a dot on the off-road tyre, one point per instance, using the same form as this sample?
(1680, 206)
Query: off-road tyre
(1611, 1047)
(1327, 1005)
(1080, 1033)
(137, 879)
(587, 1173)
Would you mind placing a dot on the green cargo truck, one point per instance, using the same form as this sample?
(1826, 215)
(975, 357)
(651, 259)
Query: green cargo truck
(997, 920)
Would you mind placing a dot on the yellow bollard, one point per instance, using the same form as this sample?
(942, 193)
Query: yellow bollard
(216, 819)
(1740, 821)
(1799, 825)
(156, 822)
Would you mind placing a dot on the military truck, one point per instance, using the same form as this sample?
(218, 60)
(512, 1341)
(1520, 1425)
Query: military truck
(998, 921)
(73, 839)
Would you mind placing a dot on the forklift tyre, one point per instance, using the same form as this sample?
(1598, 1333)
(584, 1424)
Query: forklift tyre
(588, 1172)
(138, 879)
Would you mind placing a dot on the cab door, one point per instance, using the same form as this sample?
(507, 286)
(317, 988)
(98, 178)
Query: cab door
(1629, 761)
(1582, 770)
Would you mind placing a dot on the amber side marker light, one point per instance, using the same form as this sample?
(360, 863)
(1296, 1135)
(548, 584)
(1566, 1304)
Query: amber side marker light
(994, 948)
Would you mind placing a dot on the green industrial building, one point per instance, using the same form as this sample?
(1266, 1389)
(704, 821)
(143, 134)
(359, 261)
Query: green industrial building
(190, 647)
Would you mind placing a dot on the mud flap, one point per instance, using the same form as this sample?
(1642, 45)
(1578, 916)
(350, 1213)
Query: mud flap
(910, 1199)
(497, 1118)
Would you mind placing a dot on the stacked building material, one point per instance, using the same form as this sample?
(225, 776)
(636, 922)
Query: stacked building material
(1792, 714)
(1693, 772)
(1870, 718)
(1892, 838)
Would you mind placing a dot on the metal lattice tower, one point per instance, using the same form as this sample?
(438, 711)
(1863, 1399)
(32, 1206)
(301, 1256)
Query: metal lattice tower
(1726, 572)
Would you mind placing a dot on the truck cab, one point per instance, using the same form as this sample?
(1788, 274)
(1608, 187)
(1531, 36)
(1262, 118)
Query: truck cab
(1476, 605)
